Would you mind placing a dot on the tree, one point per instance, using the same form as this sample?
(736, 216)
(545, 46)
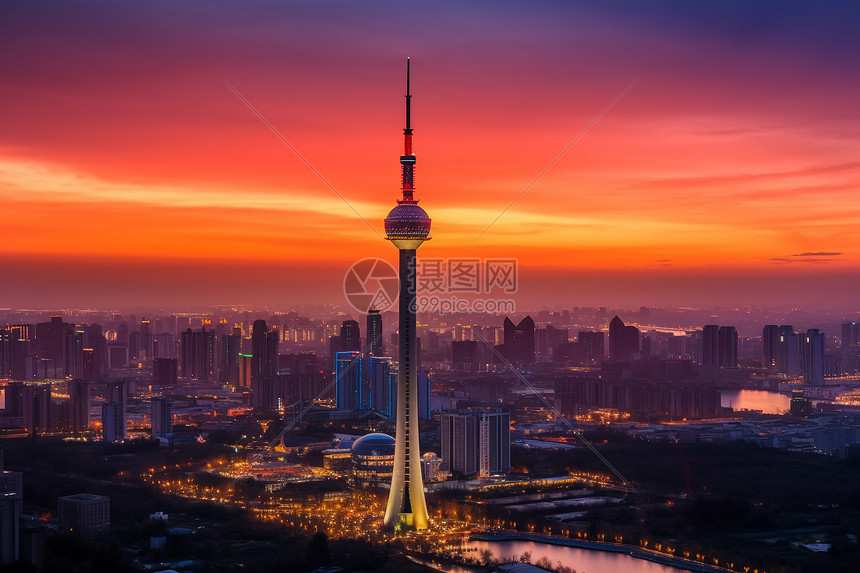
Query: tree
(318, 553)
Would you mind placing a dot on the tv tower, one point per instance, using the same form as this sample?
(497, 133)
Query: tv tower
(407, 226)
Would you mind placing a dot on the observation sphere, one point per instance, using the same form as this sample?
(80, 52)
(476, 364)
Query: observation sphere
(407, 221)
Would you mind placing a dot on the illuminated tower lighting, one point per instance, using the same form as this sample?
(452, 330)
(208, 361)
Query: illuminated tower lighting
(407, 226)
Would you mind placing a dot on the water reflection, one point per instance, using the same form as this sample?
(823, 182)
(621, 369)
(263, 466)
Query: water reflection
(583, 560)
(767, 402)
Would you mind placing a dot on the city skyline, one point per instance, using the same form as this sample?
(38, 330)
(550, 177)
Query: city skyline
(131, 174)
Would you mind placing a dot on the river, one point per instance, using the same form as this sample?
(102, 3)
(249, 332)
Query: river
(580, 559)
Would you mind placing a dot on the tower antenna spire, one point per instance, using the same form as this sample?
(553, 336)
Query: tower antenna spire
(408, 98)
(407, 160)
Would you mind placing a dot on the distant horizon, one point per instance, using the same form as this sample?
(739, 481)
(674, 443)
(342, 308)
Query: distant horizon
(130, 283)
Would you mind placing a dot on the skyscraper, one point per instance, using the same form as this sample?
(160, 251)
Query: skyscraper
(11, 502)
(5, 353)
(228, 359)
(348, 370)
(264, 351)
(113, 424)
(769, 343)
(520, 341)
(623, 340)
(79, 406)
(374, 332)
(350, 335)
(36, 404)
(812, 356)
(198, 354)
(787, 352)
(464, 355)
(728, 348)
(851, 335)
(476, 442)
(710, 345)
(592, 345)
(407, 226)
(162, 417)
(114, 411)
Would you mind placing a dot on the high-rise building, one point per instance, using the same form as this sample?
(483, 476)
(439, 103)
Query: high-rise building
(476, 441)
(95, 363)
(381, 382)
(623, 340)
(787, 355)
(14, 393)
(36, 408)
(350, 335)
(548, 339)
(710, 354)
(117, 356)
(592, 345)
(164, 371)
(228, 357)
(21, 359)
(88, 364)
(79, 406)
(5, 353)
(113, 423)
(407, 226)
(51, 340)
(423, 389)
(162, 417)
(198, 354)
(264, 351)
(11, 502)
(520, 341)
(374, 332)
(812, 356)
(769, 343)
(464, 355)
(424, 382)
(134, 347)
(364, 383)
(347, 371)
(728, 347)
(851, 336)
(114, 411)
(245, 370)
(719, 346)
(164, 345)
(145, 340)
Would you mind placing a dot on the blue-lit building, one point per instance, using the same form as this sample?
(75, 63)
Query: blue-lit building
(370, 383)
(365, 383)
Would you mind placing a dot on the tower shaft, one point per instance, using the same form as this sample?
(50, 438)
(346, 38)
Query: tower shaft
(406, 505)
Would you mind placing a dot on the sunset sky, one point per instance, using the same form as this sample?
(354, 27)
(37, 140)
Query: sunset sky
(728, 173)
